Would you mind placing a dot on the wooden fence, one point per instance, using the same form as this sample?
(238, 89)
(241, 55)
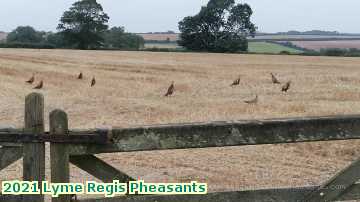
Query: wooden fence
(79, 147)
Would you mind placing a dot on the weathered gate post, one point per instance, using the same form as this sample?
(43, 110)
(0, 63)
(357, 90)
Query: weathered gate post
(34, 153)
(58, 152)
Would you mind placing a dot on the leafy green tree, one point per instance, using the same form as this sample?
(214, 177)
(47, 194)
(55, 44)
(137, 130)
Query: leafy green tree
(56, 39)
(84, 24)
(116, 37)
(25, 34)
(221, 26)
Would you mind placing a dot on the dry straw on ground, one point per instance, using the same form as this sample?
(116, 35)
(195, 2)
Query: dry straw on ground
(130, 88)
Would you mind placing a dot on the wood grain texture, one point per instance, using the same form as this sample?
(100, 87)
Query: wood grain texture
(34, 153)
(21, 137)
(230, 133)
(60, 172)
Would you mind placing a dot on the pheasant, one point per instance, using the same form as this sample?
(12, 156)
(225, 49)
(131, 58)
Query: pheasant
(253, 101)
(31, 80)
(40, 85)
(236, 82)
(93, 82)
(80, 75)
(286, 87)
(274, 79)
(171, 90)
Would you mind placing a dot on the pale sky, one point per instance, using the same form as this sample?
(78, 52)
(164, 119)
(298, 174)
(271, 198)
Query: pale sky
(163, 15)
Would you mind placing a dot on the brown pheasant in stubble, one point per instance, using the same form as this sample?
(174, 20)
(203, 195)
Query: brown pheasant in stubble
(40, 85)
(93, 82)
(253, 101)
(236, 82)
(80, 76)
(286, 87)
(170, 90)
(274, 79)
(31, 80)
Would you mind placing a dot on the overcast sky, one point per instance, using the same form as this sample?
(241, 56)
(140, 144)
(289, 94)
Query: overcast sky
(163, 15)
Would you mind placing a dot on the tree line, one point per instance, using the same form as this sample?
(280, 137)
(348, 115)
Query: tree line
(220, 26)
(83, 26)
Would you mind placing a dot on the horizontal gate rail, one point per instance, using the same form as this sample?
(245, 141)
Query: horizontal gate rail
(201, 135)
(268, 195)
(97, 138)
(11, 198)
(222, 134)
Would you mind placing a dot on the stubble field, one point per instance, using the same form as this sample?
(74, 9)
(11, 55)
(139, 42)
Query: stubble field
(160, 37)
(317, 45)
(130, 88)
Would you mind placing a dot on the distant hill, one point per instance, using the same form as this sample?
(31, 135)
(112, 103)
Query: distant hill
(312, 32)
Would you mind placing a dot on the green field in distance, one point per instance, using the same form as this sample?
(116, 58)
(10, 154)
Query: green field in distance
(256, 47)
(265, 47)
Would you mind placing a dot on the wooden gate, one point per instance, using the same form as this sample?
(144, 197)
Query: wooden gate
(79, 147)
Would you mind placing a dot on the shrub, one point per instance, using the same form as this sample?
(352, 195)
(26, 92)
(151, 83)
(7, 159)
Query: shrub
(27, 45)
(333, 52)
(285, 53)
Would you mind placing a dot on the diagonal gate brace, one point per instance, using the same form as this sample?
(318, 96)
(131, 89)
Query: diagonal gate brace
(99, 168)
(9, 155)
(336, 186)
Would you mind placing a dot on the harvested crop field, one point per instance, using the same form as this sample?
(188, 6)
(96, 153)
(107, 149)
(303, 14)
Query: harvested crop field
(160, 37)
(170, 45)
(317, 45)
(130, 88)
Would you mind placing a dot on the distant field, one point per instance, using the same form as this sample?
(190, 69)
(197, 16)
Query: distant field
(175, 37)
(264, 47)
(305, 37)
(256, 47)
(162, 45)
(317, 45)
(160, 37)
